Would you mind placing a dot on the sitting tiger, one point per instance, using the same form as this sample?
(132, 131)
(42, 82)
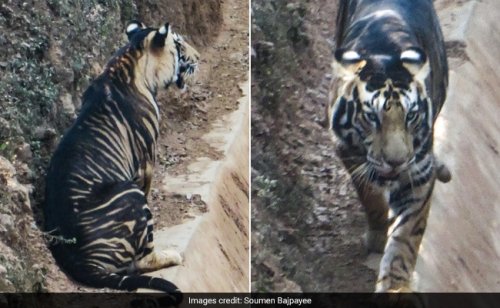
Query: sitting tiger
(100, 174)
(391, 75)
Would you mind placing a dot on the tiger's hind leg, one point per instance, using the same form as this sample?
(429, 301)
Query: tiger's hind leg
(411, 207)
(152, 259)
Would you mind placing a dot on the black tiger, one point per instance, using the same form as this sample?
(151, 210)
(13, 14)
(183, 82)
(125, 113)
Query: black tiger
(96, 210)
(391, 77)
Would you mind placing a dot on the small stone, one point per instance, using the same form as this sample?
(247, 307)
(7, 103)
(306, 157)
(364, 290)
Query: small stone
(7, 170)
(3, 270)
(292, 6)
(196, 199)
(5, 128)
(25, 172)
(24, 153)
(189, 216)
(6, 221)
(45, 133)
(67, 104)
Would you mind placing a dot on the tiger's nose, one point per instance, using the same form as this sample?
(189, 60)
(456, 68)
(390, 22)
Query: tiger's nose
(395, 162)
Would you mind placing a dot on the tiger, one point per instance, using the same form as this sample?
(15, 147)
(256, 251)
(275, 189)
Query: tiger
(96, 211)
(390, 80)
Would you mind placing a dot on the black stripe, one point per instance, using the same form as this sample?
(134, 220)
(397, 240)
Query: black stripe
(149, 216)
(399, 206)
(405, 243)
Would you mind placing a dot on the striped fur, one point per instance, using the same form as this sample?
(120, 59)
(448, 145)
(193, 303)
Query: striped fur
(391, 78)
(100, 174)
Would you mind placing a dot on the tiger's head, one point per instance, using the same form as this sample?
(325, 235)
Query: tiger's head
(381, 109)
(154, 57)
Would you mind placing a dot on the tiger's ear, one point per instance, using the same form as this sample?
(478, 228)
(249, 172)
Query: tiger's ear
(133, 27)
(348, 63)
(161, 35)
(415, 61)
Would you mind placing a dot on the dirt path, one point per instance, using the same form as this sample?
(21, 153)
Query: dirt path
(460, 248)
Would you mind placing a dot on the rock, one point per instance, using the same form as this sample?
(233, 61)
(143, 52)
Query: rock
(5, 129)
(5, 286)
(67, 104)
(19, 194)
(6, 222)
(292, 6)
(24, 172)
(66, 75)
(24, 153)
(45, 133)
(287, 285)
(7, 170)
(263, 49)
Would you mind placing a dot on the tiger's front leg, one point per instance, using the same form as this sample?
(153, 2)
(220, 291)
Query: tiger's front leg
(411, 209)
(153, 259)
(376, 211)
(371, 197)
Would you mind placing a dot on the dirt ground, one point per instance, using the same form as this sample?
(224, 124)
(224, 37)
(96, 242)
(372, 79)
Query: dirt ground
(219, 30)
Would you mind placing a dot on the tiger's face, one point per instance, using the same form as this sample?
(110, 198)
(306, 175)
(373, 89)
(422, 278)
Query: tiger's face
(163, 57)
(382, 110)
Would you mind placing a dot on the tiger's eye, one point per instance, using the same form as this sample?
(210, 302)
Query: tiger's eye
(411, 115)
(372, 116)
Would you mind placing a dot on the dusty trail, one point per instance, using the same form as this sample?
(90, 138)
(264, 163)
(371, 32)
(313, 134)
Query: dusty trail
(461, 245)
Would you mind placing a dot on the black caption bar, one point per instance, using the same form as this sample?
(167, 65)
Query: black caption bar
(267, 300)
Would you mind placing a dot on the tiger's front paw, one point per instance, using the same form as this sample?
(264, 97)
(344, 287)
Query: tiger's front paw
(170, 257)
(400, 297)
(400, 290)
(159, 259)
(404, 297)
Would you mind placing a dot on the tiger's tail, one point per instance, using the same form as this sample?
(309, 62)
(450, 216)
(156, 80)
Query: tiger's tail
(100, 278)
